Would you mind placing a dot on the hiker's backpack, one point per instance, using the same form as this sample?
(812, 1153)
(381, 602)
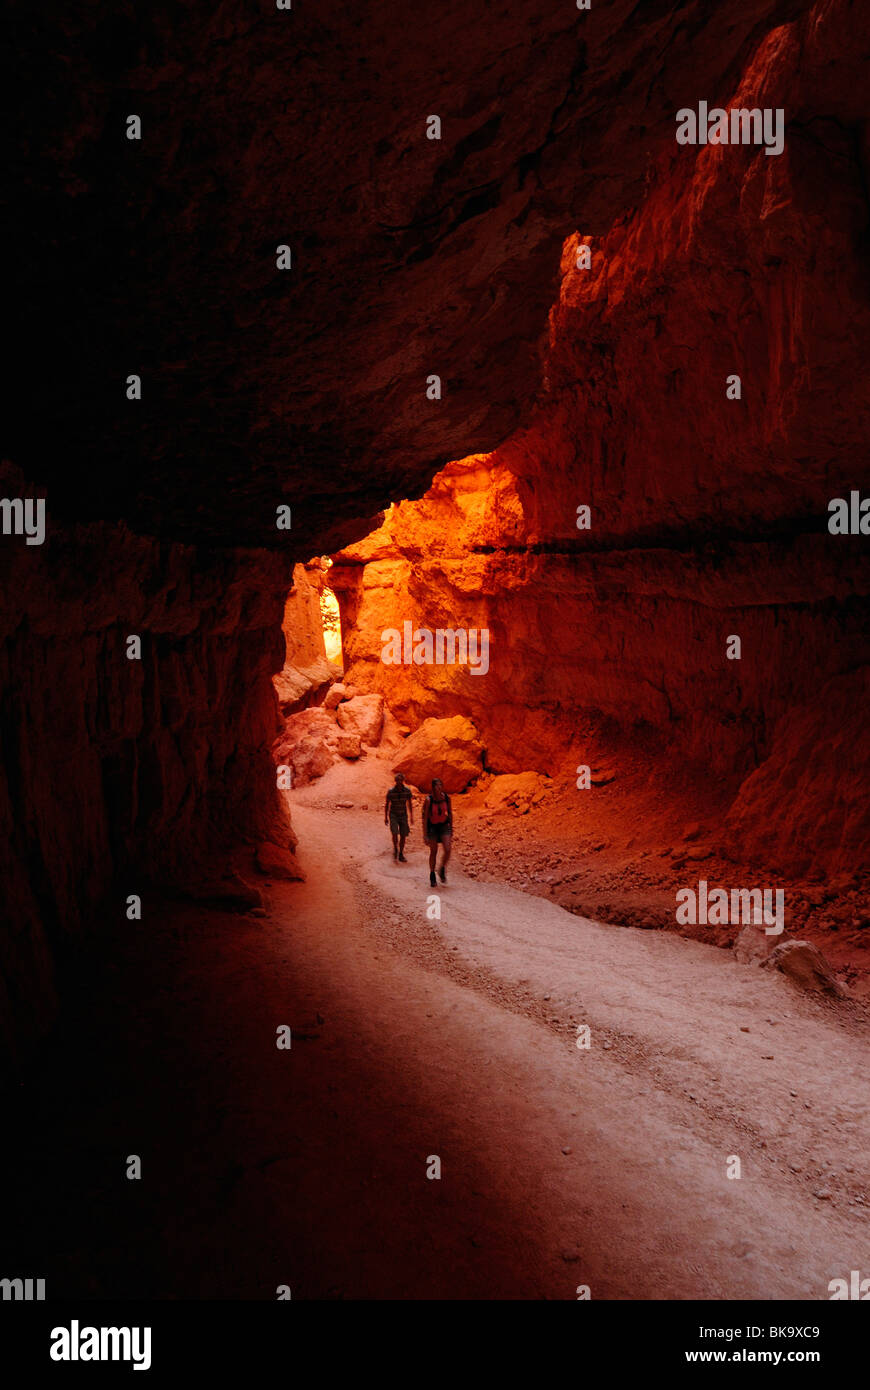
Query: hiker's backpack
(438, 811)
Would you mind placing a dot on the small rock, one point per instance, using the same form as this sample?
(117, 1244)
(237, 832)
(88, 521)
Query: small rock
(566, 1151)
(753, 946)
(344, 805)
(348, 745)
(823, 1194)
(336, 694)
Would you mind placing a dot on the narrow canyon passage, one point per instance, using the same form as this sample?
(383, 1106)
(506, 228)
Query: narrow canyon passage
(438, 401)
(413, 1038)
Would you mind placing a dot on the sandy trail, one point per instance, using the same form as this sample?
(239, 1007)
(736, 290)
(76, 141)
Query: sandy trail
(413, 1037)
(562, 1166)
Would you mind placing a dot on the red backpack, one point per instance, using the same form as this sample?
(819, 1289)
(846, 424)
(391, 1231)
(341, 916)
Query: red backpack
(438, 811)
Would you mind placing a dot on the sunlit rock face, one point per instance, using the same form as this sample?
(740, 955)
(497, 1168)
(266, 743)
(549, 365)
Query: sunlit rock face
(307, 673)
(707, 515)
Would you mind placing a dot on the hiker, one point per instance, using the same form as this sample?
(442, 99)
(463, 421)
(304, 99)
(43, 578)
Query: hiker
(438, 827)
(398, 805)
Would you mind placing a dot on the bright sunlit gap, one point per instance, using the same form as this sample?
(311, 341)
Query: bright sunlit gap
(331, 619)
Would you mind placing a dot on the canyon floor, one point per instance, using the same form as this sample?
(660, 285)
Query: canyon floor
(411, 1038)
(619, 853)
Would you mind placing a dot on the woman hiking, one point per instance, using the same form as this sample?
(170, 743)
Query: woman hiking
(438, 828)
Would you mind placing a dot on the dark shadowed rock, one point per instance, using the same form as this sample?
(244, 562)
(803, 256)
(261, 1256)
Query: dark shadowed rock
(278, 862)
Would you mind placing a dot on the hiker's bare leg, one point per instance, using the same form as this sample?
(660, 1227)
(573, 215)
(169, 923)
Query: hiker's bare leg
(402, 839)
(446, 845)
(433, 854)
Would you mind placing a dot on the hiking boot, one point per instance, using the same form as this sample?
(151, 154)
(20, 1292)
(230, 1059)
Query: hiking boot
(442, 875)
(432, 880)
(402, 859)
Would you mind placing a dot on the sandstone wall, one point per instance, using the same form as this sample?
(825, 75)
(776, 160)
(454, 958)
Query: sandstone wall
(306, 673)
(709, 515)
(118, 773)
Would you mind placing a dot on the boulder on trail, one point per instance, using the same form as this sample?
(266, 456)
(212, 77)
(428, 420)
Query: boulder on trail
(445, 748)
(348, 745)
(307, 745)
(753, 946)
(806, 966)
(518, 791)
(338, 692)
(363, 716)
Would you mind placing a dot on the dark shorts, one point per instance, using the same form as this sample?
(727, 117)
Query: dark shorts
(399, 825)
(437, 832)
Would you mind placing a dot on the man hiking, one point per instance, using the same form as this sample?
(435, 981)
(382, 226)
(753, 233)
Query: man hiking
(398, 805)
(438, 828)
